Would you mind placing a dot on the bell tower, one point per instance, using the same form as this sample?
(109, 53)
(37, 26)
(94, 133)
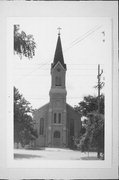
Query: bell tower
(57, 135)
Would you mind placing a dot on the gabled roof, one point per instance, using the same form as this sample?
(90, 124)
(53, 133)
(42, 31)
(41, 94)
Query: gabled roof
(58, 57)
(45, 106)
(72, 109)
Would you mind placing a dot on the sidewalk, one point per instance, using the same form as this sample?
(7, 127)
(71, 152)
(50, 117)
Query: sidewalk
(89, 156)
(53, 154)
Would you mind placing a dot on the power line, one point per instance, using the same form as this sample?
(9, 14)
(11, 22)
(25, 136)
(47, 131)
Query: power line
(94, 64)
(48, 97)
(85, 36)
(76, 42)
(33, 71)
(77, 39)
(78, 68)
(43, 75)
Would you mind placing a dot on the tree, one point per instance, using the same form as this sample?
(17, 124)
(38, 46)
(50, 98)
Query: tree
(95, 132)
(24, 130)
(90, 104)
(24, 45)
(92, 132)
(93, 137)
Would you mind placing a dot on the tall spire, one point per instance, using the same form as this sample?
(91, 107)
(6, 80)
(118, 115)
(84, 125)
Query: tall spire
(58, 57)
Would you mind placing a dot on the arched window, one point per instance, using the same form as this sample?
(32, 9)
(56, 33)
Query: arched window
(59, 118)
(56, 134)
(55, 118)
(58, 81)
(41, 130)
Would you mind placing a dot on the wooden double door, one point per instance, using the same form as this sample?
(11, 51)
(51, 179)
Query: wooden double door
(57, 139)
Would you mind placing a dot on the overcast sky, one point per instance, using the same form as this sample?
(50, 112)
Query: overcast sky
(85, 43)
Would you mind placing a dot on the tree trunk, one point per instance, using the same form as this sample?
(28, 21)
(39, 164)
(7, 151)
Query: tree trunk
(98, 152)
(17, 145)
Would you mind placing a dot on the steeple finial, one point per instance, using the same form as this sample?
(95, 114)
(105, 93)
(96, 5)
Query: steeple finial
(59, 30)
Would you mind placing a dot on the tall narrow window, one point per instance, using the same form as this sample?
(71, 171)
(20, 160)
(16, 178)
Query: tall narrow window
(59, 118)
(55, 118)
(58, 81)
(41, 126)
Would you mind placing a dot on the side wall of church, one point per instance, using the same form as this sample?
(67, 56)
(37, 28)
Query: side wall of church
(73, 124)
(38, 116)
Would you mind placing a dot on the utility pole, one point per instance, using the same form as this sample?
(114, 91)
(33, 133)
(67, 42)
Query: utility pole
(99, 86)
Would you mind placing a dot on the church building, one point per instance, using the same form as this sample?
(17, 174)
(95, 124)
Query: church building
(57, 123)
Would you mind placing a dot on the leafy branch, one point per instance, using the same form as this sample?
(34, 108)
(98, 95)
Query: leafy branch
(24, 45)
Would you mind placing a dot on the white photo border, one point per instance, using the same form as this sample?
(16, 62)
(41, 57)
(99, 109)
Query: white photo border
(62, 9)
(108, 109)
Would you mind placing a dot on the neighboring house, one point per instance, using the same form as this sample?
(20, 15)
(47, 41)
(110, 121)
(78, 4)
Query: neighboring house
(57, 122)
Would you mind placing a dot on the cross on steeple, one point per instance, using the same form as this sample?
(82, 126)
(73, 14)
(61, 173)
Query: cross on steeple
(59, 30)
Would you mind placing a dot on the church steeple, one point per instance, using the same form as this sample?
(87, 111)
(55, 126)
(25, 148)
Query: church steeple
(58, 67)
(57, 106)
(58, 57)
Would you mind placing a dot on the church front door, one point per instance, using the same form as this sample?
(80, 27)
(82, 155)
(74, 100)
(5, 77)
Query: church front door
(56, 139)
